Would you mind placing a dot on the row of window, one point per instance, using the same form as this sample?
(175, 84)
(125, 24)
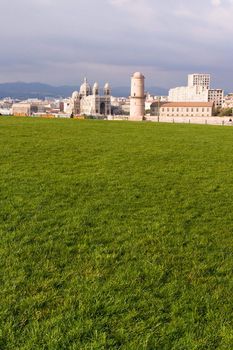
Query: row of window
(183, 115)
(187, 109)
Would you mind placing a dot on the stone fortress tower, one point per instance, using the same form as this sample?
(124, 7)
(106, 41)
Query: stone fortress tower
(137, 98)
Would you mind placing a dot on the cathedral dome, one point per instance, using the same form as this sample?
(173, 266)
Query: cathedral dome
(107, 86)
(85, 88)
(75, 95)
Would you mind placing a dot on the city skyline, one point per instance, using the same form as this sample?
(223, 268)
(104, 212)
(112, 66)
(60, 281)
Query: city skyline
(59, 42)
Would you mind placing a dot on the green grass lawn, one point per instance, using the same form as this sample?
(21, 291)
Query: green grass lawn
(115, 235)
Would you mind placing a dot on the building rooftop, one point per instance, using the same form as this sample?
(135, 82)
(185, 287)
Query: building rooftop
(188, 104)
(138, 75)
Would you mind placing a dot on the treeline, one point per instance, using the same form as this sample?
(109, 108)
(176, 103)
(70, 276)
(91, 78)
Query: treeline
(222, 112)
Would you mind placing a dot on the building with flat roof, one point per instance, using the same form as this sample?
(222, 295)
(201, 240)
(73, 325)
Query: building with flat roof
(188, 93)
(199, 79)
(21, 109)
(198, 90)
(216, 96)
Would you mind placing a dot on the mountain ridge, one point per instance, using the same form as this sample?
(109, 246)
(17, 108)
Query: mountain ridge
(22, 90)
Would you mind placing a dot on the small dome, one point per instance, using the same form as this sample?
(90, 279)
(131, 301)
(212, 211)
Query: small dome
(107, 89)
(75, 95)
(138, 75)
(95, 89)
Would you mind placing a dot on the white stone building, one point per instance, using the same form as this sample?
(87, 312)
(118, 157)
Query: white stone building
(199, 79)
(67, 106)
(21, 109)
(88, 101)
(228, 101)
(187, 109)
(198, 90)
(188, 94)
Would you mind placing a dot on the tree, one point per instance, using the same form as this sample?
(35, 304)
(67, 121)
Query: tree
(226, 112)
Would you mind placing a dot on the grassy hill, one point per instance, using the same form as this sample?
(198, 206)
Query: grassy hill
(115, 235)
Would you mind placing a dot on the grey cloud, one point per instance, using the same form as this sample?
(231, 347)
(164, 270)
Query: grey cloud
(46, 39)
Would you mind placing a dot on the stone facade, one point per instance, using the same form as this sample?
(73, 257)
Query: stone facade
(21, 109)
(216, 96)
(199, 79)
(88, 101)
(187, 109)
(198, 90)
(188, 93)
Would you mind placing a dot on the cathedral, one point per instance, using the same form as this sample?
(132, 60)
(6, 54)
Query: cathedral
(88, 101)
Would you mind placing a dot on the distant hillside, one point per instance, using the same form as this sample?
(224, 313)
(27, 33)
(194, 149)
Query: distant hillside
(22, 90)
(34, 90)
(155, 90)
(125, 91)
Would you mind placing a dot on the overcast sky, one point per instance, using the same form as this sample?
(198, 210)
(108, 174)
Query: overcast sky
(61, 41)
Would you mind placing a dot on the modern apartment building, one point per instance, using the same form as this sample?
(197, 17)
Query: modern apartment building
(216, 96)
(198, 90)
(199, 79)
(188, 93)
